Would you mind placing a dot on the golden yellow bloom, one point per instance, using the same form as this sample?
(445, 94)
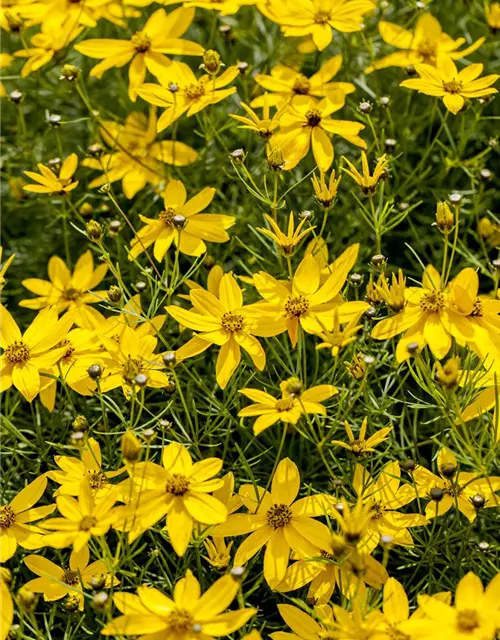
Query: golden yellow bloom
(448, 374)
(288, 242)
(392, 294)
(366, 181)
(286, 83)
(219, 553)
(56, 582)
(485, 401)
(264, 127)
(182, 223)
(359, 446)
(15, 516)
(136, 159)
(146, 48)
(6, 607)
(338, 338)
(286, 409)
(71, 292)
(24, 356)
(49, 182)
(4, 267)
(423, 45)
(357, 368)
(325, 194)
(453, 86)
(224, 7)
(150, 613)
(132, 316)
(492, 12)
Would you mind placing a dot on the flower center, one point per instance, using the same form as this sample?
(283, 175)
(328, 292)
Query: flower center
(285, 404)
(96, 479)
(477, 308)
(432, 301)
(376, 511)
(232, 322)
(17, 352)
(395, 634)
(279, 515)
(313, 117)
(301, 86)
(467, 620)
(70, 348)
(177, 484)
(167, 215)
(180, 621)
(71, 294)
(87, 522)
(357, 446)
(427, 49)
(296, 306)
(322, 16)
(7, 517)
(194, 91)
(70, 577)
(130, 369)
(453, 86)
(141, 42)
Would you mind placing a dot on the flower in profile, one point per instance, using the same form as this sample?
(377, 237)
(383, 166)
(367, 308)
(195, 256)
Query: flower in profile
(218, 552)
(4, 267)
(131, 316)
(179, 490)
(307, 122)
(182, 223)
(325, 194)
(361, 445)
(265, 126)
(338, 338)
(393, 293)
(24, 356)
(280, 522)
(423, 45)
(366, 181)
(136, 158)
(286, 83)
(453, 86)
(47, 180)
(72, 292)
(146, 49)
(56, 582)
(288, 408)
(150, 613)
(287, 242)
(492, 12)
(16, 516)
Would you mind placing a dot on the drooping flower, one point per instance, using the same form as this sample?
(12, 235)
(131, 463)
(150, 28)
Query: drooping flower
(338, 337)
(265, 126)
(325, 193)
(361, 445)
(366, 181)
(47, 180)
(287, 242)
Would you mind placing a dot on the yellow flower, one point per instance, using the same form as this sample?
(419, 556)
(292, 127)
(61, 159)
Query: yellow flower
(317, 18)
(219, 553)
(49, 182)
(132, 316)
(151, 613)
(15, 516)
(24, 356)
(307, 122)
(338, 338)
(288, 408)
(279, 522)
(392, 294)
(224, 7)
(473, 615)
(367, 182)
(492, 12)
(423, 45)
(325, 195)
(4, 267)
(190, 94)
(182, 223)
(81, 519)
(56, 582)
(5, 61)
(70, 292)
(264, 127)
(224, 321)
(137, 159)
(454, 87)
(286, 83)
(361, 445)
(146, 48)
(286, 242)
(486, 400)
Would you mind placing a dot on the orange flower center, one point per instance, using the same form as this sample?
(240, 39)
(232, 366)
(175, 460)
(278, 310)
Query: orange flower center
(71, 294)
(70, 577)
(313, 117)
(432, 301)
(301, 86)
(296, 306)
(232, 322)
(141, 42)
(285, 404)
(194, 91)
(467, 620)
(477, 308)
(180, 621)
(322, 16)
(96, 479)
(87, 522)
(177, 484)
(279, 515)
(7, 517)
(453, 86)
(17, 352)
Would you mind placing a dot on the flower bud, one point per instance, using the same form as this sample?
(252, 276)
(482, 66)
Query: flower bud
(483, 546)
(16, 96)
(114, 227)
(237, 572)
(140, 286)
(114, 294)
(445, 220)
(141, 380)
(294, 386)
(408, 465)
(94, 231)
(455, 198)
(95, 371)
(238, 156)
(54, 120)
(448, 374)
(95, 150)
(98, 581)
(365, 106)
(100, 600)
(149, 435)
(130, 447)
(485, 175)
(169, 358)
(6, 575)
(72, 603)
(27, 599)
(436, 494)
(275, 159)
(356, 279)
(86, 209)
(80, 423)
(448, 470)
(69, 72)
(243, 67)
(179, 221)
(378, 260)
(211, 62)
(478, 501)
(77, 439)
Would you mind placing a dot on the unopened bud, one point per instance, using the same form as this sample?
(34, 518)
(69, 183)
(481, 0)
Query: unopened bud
(436, 494)
(237, 572)
(365, 106)
(114, 294)
(100, 600)
(455, 198)
(149, 435)
(95, 371)
(179, 221)
(140, 286)
(72, 603)
(6, 575)
(294, 386)
(478, 501)
(98, 581)
(69, 72)
(448, 470)
(94, 231)
(238, 156)
(211, 61)
(408, 465)
(114, 226)
(27, 599)
(169, 358)
(141, 380)
(445, 220)
(16, 96)
(86, 209)
(378, 260)
(130, 447)
(243, 67)
(80, 423)
(275, 159)
(356, 279)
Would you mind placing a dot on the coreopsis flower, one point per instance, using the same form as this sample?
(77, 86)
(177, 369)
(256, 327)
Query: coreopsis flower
(16, 516)
(288, 408)
(70, 291)
(25, 355)
(366, 181)
(73, 471)
(485, 401)
(56, 582)
(279, 522)
(6, 605)
(288, 242)
(317, 18)
(82, 518)
(423, 45)
(382, 497)
(492, 13)
(474, 613)
(179, 490)
(452, 488)
(152, 614)
(265, 126)
(218, 552)
(47, 180)
(325, 194)
(52, 39)
(286, 83)
(304, 301)
(453, 86)
(393, 293)
(136, 158)
(132, 316)
(224, 320)
(338, 338)
(182, 223)
(4, 267)
(146, 49)
(224, 7)
(190, 95)
(362, 444)
(307, 122)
